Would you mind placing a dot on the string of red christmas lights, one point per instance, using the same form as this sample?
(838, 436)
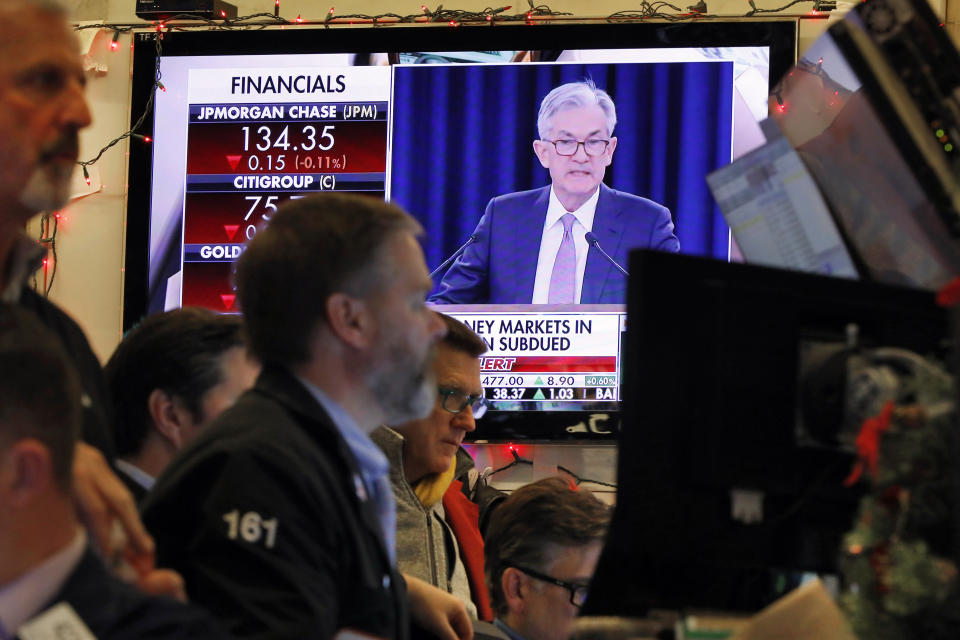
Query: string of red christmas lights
(453, 17)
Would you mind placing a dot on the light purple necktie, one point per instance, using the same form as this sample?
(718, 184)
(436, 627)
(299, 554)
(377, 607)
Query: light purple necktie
(563, 279)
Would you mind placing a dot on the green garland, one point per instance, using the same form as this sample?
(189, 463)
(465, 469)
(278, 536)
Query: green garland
(901, 580)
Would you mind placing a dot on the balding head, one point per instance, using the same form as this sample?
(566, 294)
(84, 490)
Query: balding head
(42, 108)
(50, 7)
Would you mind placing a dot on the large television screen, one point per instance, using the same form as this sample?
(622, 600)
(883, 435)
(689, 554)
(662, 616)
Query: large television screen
(443, 121)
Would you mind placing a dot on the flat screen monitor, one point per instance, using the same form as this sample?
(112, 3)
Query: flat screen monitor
(725, 495)
(441, 121)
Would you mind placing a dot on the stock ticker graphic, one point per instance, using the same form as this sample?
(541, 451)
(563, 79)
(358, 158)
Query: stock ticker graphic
(548, 357)
(259, 138)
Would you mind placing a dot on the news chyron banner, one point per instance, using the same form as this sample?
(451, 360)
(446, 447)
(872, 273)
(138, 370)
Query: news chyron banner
(260, 137)
(548, 357)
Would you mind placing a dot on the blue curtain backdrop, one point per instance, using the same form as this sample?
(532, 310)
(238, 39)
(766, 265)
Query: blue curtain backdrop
(464, 134)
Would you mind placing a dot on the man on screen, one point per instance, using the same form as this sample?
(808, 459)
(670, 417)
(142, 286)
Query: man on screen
(532, 246)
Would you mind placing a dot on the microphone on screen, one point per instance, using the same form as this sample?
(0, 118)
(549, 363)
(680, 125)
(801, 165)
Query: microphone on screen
(593, 242)
(456, 254)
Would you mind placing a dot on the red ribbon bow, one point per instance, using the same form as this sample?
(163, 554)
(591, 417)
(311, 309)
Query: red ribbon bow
(868, 443)
(949, 295)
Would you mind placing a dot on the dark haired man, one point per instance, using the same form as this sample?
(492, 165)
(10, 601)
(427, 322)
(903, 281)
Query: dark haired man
(51, 582)
(541, 550)
(169, 377)
(280, 515)
(425, 458)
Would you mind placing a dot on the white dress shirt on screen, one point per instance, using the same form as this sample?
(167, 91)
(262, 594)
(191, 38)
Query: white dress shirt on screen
(550, 243)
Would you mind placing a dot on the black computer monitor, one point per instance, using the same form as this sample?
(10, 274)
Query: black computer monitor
(713, 383)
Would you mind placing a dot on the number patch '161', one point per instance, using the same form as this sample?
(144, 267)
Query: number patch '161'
(251, 527)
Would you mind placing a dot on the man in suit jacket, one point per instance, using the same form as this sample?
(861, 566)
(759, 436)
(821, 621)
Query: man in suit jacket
(49, 576)
(169, 378)
(42, 110)
(532, 247)
(280, 515)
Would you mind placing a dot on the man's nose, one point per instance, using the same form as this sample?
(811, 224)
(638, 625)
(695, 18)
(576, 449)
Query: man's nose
(580, 155)
(464, 420)
(75, 111)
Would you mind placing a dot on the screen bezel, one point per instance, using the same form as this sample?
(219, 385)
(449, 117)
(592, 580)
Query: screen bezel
(779, 35)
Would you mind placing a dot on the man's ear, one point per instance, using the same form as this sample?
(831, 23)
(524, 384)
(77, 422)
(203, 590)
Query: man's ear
(169, 416)
(351, 320)
(543, 152)
(26, 471)
(513, 582)
(611, 147)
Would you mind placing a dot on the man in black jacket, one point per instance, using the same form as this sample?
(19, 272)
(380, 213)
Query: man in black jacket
(280, 516)
(49, 576)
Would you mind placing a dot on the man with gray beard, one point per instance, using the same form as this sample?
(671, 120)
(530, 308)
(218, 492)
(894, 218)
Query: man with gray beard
(280, 516)
(42, 110)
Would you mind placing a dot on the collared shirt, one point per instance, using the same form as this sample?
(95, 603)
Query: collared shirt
(374, 466)
(23, 598)
(136, 474)
(550, 243)
(500, 624)
(25, 258)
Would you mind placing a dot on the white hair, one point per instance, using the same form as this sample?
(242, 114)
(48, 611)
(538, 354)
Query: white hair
(571, 96)
(53, 7)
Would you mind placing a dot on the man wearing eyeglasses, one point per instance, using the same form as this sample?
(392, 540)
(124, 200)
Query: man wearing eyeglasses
(438, 538)
(532, 246)
(541, 551)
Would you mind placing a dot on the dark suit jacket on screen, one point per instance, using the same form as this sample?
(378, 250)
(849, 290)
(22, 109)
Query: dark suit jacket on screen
(501, 266)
